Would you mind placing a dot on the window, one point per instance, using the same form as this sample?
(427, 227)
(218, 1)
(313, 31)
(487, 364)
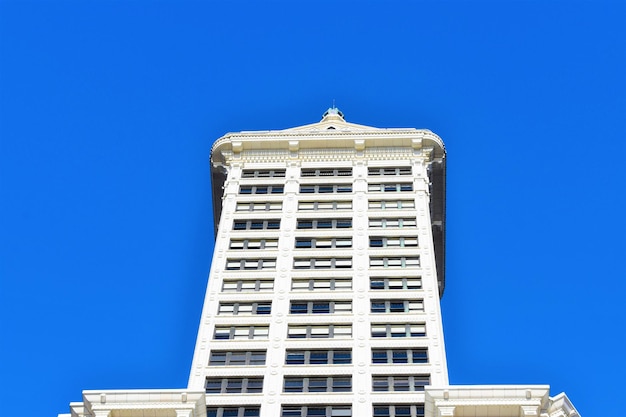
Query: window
(318, 357)
(253, 244)
(322, 263)
(316, 411)
(269, 206)
(324, 224)
(389, 171)
(318, 384)
(261, 189)
(390, 188)
(237, 358)
(326, 172)
(323, 243)
(395, 262)
(398, 410)
(399, 330)
(232, 385)
(247, 264)
(263, 173)
(396, 306)
(395, 283)
(392, 222)
(321, 284)
(400, 382)
(240, 332)
(393, 242)
(271, 224)
(247, 411)
(328, 331)
(391, 204)
(325, 205)
(320, 307)
(415, 355)
(235, 309)
(240, 285)
(325, 188)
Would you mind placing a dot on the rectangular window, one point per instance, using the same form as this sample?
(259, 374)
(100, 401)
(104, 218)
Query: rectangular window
(241, 332)
(268, 206)
(323, 243)
(241, 308)
(399, 356)
(320, 307)
(247, 411)
(244, 244)
(325, 205)
(393, 242)
(237, 358)
(394, 261)
(261, 189)
(304, 224)
(396, 306)
(383, 223)
(391, 204)
(239, 285)
(263, 173)
(390, 188)
(322, 263)
(326, 172)
(315, 411)
(233, 385)
(250, 264)
(318, 384)
(325, 188)
(395, 283)
(321, 284)
(329, 331)
(260, 224)
(398, 410)
(400, 382)
(398, 330)
(389, 171)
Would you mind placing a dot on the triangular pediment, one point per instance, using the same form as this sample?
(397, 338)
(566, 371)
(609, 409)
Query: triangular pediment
(332, 121)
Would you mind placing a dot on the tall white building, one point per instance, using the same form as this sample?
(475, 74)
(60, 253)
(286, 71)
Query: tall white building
(323, 295)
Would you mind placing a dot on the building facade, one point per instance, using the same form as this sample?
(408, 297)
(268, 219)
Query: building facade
(323, 295)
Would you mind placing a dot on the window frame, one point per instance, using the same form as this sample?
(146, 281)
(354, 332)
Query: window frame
(261, 189)
(263, 173)
(407, 283)
(397, 330)
(252, 332)
(325, 172)
(389, 171)
(321, 307)
(414, 356)
(396, 383)
(319, 331)
(408, 306)
(242, 285)
(319, 284)
(228, 356)
(255, 308)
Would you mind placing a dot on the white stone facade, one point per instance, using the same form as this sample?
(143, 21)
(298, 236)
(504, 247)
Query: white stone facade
(323, 295)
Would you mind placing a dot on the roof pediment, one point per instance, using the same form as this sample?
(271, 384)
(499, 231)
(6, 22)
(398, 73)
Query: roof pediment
(332, 120)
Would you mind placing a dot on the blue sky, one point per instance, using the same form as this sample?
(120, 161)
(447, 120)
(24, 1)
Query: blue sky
(108, 110)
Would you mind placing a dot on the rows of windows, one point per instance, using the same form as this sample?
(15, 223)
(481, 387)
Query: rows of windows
(241, 285)
(394, 261)
(393, 242)
(237, 357)
(395, 283)
(247, 264)
(390, 188)
(318, 357)
(263, 173)
(322, 242)
(398, 410)
(269, 224)
(234, 385)
(389, 171)
(321, 284)
(323, 331)
(324, 224)
(398, 330)
(325, 188)
(382, 223)
(241, 332)
(326, 172)
(243, 244)
(325, 205)
(247, 411)
(267, 206)
(391, 204)
(400, 382)
(396, 306)
(322, 263)
(241, 308)
(318, 384)
(261, 189)
(415, 355)
(316, 411)
(320, 307)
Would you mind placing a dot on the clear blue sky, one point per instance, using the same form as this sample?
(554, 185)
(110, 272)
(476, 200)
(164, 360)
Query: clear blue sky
(108, 113)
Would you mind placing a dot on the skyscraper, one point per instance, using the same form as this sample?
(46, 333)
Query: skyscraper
(323, 295)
